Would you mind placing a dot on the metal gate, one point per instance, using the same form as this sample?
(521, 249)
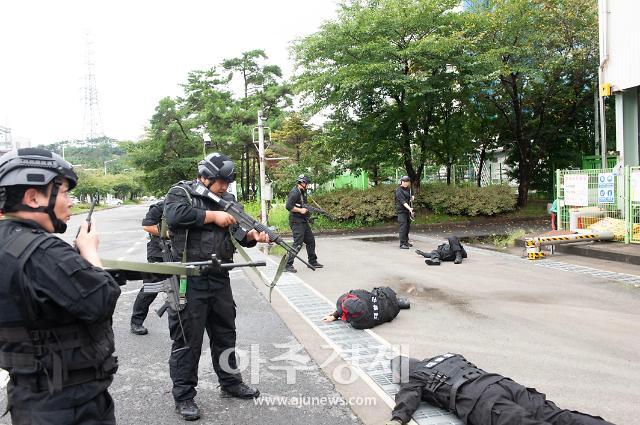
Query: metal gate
(600, 197)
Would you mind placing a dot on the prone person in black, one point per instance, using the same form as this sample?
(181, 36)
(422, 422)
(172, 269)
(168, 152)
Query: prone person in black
(150, 224)
(199, 228)
(450, 251)
(364, 310)
(299, 223)
(404, 210)
(477, 397)
(56, 303)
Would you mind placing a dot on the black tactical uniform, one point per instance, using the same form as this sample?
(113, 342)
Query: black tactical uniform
(210, 302)
(475, 396)
(154, 255)
(364, 310)
(299, 223)
(450, 251)
(56, 339)
(403, 196)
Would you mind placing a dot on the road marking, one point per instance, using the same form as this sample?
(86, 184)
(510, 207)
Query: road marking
(365, 351)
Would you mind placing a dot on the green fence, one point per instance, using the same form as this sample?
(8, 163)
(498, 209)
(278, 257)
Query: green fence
(360, 181)
(491, 174)
(634, 204)
(601, 198)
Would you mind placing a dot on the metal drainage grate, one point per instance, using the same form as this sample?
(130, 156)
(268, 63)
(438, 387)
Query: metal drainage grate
(358, 348)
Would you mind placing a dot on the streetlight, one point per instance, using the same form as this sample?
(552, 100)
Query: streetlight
(105, 164)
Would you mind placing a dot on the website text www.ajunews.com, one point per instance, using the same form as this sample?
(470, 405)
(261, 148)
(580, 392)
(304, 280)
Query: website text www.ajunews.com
(314, 401)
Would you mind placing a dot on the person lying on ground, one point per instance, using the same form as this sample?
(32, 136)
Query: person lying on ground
(450, 251)
(364, 310)
(477, 397)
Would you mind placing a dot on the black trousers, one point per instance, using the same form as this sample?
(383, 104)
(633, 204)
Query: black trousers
(212, 310)
(507, 403)
(448, 251)
(405, 224)
(141, 306)
(98, 411)
(302, 234)
(143, 300)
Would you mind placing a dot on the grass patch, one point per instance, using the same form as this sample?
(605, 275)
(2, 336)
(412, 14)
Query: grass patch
(507, 241)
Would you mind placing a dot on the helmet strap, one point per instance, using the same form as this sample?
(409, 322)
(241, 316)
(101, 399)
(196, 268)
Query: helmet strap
(59, 226)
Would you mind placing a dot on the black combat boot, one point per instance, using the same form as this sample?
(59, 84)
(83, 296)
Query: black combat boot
(458, 259)
(138, 329)
(403, 303)
(188, 409)
(290, 269)
(240, 390)
(435, 261)
(316, 264)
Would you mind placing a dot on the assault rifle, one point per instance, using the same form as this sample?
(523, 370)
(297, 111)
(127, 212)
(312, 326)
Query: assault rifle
(316, 210)
(168, 276)
(246, 222)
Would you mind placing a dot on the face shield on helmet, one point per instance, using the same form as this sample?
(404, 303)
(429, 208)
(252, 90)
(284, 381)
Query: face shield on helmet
(217, 166)
(34, 167)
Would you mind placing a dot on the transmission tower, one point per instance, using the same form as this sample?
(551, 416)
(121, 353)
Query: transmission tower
(92, 123)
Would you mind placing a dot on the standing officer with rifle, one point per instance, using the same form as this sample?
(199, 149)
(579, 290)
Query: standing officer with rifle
(404, 210)
(150, 224)
(200, 215)
(299, 223)
(56, 303)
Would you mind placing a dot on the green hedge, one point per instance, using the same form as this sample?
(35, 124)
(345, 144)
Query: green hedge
(365, 206)
(467, 200)
(377, 204)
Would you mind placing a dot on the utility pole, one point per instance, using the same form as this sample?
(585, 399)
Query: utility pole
(263, 201)
(92, 125)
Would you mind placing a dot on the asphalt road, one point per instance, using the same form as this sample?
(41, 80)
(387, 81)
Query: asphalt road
(142, 386)
(573, 336)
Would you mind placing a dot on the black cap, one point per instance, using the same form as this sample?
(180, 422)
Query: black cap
(405, 179)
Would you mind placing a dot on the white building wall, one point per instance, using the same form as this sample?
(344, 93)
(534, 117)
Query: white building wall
(620, 42)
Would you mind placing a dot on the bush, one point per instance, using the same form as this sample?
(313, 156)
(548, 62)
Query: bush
(363, 206)
(467, 200)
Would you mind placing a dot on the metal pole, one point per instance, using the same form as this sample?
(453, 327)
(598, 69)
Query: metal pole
(263, 202)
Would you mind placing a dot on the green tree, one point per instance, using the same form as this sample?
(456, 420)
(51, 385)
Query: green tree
(538, 59)
(385, 69)
(263, 90)
(171, 150)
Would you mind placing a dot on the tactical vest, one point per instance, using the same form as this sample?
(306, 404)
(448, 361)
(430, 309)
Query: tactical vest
(36, 354)
(382, 307)
(445, 374)
(387, 303)
(201, 242)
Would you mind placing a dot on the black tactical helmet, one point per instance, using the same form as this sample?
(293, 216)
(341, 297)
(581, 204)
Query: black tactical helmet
(303, 179)
(35, 167)
(217, 166)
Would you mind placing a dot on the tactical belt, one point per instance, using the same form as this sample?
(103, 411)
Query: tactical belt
(42, 382)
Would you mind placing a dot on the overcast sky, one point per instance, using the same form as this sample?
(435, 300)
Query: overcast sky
(142, 50)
